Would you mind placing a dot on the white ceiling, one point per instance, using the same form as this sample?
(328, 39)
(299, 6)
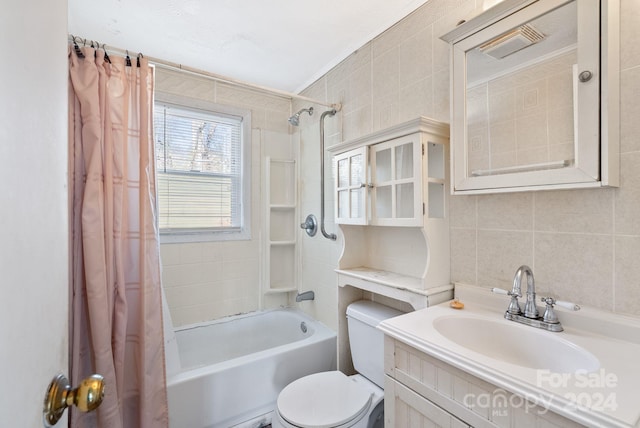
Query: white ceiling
(281, 44)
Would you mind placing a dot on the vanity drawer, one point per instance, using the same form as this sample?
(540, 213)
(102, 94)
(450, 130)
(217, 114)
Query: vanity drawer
(404, 408)
(468, 398)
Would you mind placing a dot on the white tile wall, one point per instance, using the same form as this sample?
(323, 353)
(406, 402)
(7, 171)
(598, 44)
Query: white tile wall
(582, 244)
(205, 281)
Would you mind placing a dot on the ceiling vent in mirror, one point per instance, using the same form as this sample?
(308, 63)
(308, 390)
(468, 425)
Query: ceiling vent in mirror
(511, 42)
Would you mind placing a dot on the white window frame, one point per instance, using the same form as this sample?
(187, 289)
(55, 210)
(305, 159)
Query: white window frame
(208, 235)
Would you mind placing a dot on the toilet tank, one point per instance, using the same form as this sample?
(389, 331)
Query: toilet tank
(366, 341)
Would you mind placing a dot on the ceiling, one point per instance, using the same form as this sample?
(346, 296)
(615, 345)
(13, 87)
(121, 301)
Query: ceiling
(281, 44)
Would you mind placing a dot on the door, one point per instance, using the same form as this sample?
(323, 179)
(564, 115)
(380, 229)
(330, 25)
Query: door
(396, 173)
(33, 210)
(351, 187)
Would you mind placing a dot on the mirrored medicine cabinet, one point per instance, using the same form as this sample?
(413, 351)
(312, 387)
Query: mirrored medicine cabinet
(535, 96)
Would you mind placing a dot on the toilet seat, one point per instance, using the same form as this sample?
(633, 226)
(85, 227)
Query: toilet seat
(324, 400)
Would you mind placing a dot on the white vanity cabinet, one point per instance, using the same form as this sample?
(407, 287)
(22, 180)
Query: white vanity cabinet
(421, 390)
(392, 178)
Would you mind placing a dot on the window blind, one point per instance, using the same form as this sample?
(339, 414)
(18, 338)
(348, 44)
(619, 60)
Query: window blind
(199, 169)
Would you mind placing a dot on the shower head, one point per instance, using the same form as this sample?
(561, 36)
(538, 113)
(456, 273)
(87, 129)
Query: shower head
(295, 119)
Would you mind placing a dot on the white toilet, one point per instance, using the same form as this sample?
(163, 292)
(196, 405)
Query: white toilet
(333, 400)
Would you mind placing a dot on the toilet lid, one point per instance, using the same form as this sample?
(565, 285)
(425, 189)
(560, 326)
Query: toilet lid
(323, 400)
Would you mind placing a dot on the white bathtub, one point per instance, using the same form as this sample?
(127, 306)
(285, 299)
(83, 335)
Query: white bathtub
(231, 371)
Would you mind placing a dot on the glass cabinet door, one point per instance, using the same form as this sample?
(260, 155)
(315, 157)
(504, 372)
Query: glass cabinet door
(351, 187)
(397, 182)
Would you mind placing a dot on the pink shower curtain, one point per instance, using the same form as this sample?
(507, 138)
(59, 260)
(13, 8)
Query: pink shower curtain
(116, 307)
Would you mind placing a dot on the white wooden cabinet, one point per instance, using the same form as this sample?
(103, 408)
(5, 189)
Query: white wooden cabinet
(392, 178)
(421, 390)
(406, 408)
(391, 208)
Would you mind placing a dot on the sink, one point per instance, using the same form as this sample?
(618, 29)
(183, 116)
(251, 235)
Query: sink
(516, 344)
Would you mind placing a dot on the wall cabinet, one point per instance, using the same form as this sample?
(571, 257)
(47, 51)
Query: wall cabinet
(391, 209)
(535, 97)
(391, 182)
(391, 205)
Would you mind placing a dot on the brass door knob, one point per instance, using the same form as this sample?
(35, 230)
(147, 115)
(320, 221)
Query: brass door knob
(86, 397)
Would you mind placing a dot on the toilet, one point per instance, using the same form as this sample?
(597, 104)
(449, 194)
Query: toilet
(334, 400)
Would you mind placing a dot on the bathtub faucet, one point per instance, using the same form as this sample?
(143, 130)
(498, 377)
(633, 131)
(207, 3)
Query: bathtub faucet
(307, 295)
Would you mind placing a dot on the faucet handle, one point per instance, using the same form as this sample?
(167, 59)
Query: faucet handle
(550, 315)
(505, 292)
(563, 304)
(514, 306)
(567, 305)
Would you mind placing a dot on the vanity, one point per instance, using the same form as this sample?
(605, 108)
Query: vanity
(474, 368)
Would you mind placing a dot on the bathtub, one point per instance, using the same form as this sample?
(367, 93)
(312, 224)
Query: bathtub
(231, 371)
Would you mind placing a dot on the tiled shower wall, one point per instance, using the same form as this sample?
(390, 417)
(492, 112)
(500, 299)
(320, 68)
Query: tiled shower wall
(583, 245)
(210, 280)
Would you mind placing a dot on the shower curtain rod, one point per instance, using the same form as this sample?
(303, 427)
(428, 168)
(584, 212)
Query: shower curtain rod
(217, 77)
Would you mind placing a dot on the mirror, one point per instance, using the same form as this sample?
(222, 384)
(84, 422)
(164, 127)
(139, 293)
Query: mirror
(526, 95)
(520, 96)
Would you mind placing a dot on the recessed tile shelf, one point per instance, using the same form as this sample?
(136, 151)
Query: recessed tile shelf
(280, 264)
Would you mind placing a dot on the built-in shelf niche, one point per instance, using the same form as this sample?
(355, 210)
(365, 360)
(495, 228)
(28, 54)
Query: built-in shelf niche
(280, 264)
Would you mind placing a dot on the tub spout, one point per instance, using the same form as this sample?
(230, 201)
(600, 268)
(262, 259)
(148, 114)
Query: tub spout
(307, 295)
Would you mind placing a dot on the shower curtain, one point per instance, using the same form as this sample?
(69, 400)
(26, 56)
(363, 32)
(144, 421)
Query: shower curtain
(116, 307)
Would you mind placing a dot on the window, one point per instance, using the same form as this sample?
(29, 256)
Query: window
(202, 158)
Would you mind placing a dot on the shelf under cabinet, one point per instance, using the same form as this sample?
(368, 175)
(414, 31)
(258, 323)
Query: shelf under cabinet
(402, 287)
(383, 277)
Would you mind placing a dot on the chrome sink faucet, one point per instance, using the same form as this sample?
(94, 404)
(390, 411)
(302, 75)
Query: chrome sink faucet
(530, 309)
(530, 316)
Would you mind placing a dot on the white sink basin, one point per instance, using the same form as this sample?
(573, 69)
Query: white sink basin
(516, 344)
